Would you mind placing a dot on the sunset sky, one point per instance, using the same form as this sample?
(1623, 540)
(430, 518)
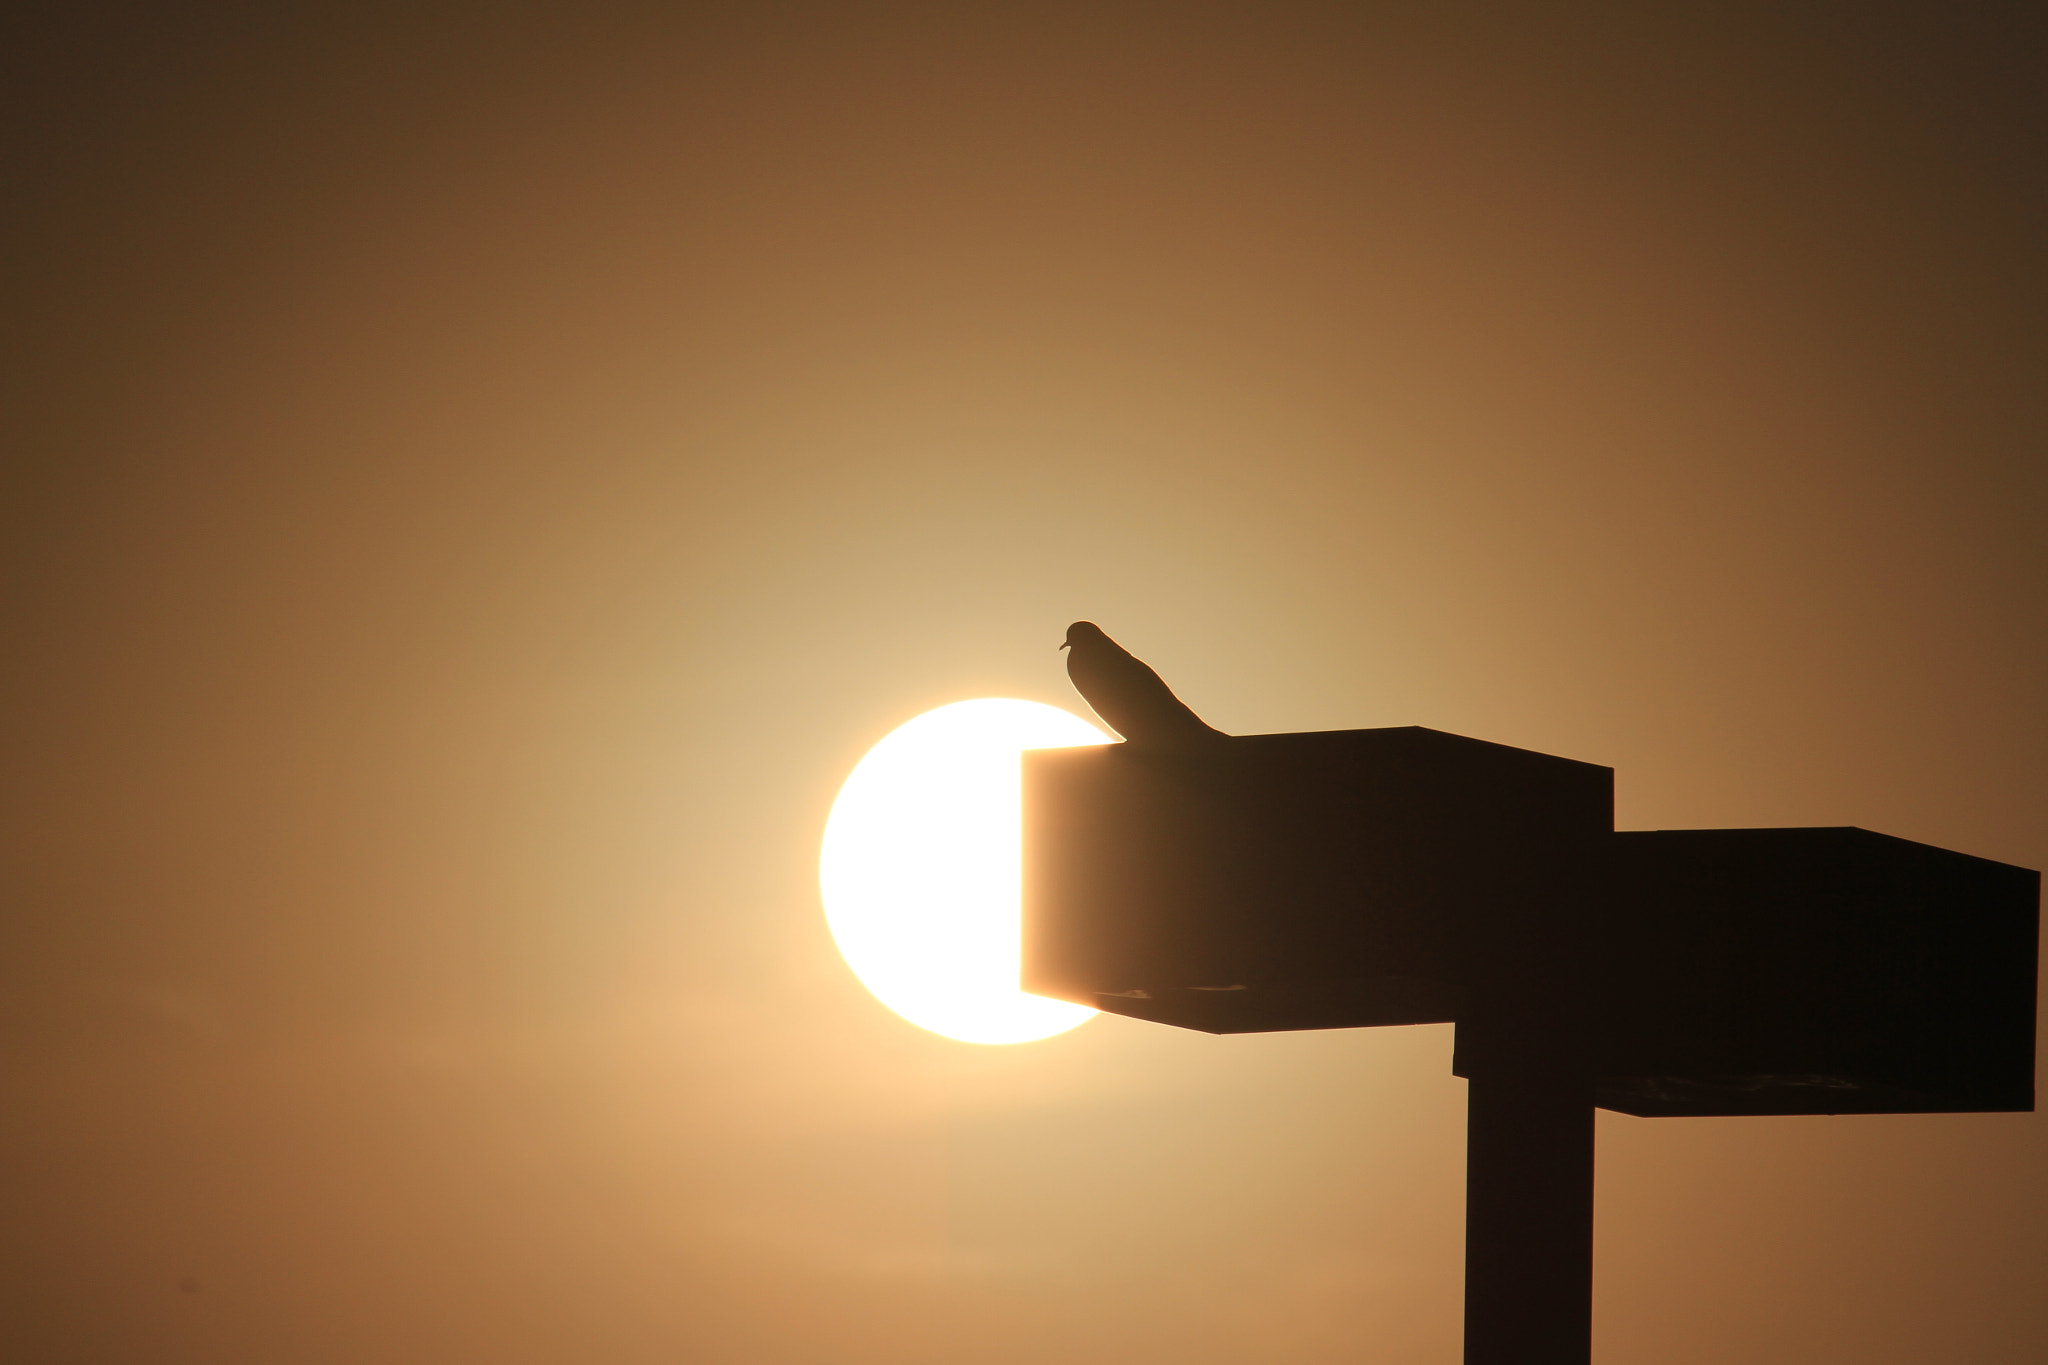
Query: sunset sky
(479, 476)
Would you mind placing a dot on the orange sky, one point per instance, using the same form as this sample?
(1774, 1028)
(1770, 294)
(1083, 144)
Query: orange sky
(480, 475)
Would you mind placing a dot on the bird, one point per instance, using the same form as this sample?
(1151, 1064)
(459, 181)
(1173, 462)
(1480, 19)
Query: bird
(1130, 696)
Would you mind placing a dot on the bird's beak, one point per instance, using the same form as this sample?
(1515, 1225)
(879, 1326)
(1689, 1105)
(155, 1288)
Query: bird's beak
(1063, 645)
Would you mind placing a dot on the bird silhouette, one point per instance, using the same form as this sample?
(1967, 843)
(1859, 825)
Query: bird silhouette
(1129, 695)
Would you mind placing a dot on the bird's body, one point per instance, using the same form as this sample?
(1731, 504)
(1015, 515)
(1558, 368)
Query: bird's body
(1129, 695)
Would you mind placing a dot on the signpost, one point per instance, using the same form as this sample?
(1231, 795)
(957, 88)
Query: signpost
(1357, 878)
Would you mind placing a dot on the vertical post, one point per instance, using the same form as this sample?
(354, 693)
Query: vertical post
(1528, 1215)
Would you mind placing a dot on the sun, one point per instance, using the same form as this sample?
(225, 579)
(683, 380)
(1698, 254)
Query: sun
(920, 869)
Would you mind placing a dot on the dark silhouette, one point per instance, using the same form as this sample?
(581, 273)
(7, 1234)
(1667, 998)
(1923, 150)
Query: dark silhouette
(1405, 876)
(1129, 695)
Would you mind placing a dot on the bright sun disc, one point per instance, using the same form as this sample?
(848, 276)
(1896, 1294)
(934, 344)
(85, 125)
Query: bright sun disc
(920, 869)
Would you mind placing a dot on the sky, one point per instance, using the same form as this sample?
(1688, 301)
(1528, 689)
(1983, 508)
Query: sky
(479, 476)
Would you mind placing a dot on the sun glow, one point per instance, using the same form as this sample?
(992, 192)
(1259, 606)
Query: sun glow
(920, 869)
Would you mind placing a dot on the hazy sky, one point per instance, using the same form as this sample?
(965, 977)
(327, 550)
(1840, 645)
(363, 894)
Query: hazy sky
(479, 475)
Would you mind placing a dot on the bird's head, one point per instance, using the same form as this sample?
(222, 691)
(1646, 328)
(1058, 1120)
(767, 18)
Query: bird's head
(1082, 633)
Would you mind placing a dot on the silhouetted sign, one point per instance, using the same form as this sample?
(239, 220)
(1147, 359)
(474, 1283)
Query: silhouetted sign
(1406, 876)
(1813, 971)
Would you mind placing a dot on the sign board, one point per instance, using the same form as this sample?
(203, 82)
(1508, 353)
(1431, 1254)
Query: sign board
(1405, 876)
